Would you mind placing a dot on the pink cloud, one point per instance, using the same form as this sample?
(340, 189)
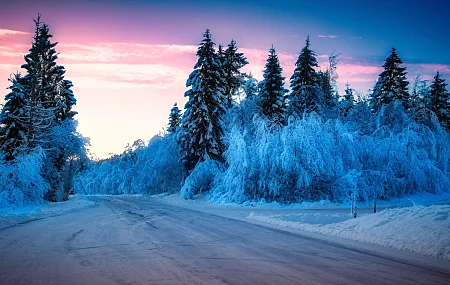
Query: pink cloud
(6, 32)
(442, 68)
(357, 69)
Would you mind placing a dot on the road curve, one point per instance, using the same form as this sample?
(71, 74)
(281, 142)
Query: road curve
(127, 240)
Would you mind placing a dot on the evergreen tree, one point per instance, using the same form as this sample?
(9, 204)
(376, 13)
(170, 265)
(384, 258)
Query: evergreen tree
(329, 96)
(174, 119)
(233, 61)
(306, 94)
(202, 133)
(13, 129)
(46, 79)
(251, 87)
(347, 102)
(272, 98)
(304, 72)
(392, 84)
(440, 100)
(39, 103)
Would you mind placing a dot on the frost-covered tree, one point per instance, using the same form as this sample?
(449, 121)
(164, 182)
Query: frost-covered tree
(174, 119)
(65, 98)
(13, 128)
(392, 84)
(440, 100)
(46, 101)
(251, 87)
(202, 129)
(232, 62)
(347, 102)
(329, 95)
(272, 98)
(25, 122)
(306, 94)
(304, 72)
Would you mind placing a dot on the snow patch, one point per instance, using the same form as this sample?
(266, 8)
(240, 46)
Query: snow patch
(418, 229)
(12, 217)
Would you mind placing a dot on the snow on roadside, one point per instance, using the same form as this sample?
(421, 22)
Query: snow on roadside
(419, 229)
(418, 223)
(12, 217)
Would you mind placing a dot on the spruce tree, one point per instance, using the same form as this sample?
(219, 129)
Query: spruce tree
(174, 119)
(46, 78)
(306, 92)
(13, 128)
(329, 99)
(250, 87)
(45, 107)
(233, 61)
(440, 100)
(347, 102)
(272, 98)
(202, 128)
(391, 85)
(304, 72)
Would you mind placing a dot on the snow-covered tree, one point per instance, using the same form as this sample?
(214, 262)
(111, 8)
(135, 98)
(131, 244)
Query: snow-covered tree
(202, 129)
(39, 104)
(272, 98)
(347, 102)
(232, 62)
(440, 100)
(392, 84)
(329, 95)
(251, 87)
(304, 72)
(13, 128)
(306, 95)
(174, 119)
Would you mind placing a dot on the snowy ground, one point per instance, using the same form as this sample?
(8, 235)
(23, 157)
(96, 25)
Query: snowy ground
(418, 223)
(139, 240)
(11, 217)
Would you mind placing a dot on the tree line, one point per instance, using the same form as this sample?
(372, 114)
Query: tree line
(217, 79)
(239, 139)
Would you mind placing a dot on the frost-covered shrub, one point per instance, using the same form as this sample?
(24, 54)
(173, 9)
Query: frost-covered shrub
(201, 178)
(21, 183)
(145, 170)
(312, 159)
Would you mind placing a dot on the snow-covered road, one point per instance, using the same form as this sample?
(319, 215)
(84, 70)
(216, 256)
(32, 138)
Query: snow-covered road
(127, 240)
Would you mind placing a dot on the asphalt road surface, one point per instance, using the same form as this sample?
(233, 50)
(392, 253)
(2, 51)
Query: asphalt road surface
(126, 240)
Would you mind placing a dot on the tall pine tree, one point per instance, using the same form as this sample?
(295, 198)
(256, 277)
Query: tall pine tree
(202, 128)
(306, 94)
(440, 100)
(13, 127)
(272, 98)
(46, 102)
(391, 85)
(347, 102)
(233, 61)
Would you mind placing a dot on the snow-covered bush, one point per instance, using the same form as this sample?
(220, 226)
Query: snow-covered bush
(21, 183)
(201, 178)
(312, 159)
(146, 170)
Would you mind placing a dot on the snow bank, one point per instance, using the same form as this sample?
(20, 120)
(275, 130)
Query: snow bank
(419, 229)
(12, 217)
